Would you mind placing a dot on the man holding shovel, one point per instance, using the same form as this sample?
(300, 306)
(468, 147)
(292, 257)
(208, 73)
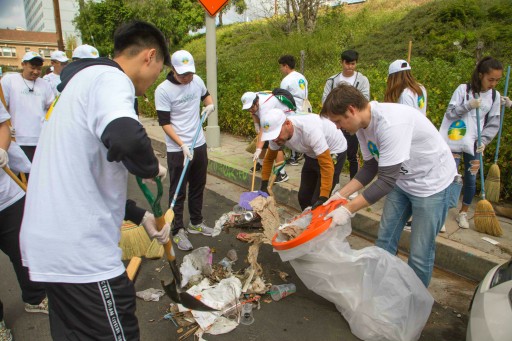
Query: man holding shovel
(414, 167)
(76, 197)
(323, 145)
(177, 102)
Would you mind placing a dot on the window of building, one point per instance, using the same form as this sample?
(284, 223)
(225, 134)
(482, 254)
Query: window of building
(8, 51)
(27, 49)
(46, 52)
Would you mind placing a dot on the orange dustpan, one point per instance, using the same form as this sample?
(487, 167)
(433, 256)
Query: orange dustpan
(317, 226)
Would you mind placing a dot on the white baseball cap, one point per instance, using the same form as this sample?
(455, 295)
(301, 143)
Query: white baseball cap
(31, 55)
(183, 62)
(271, 122)
(59, 56)
(398, 66)
(248, 99)
(85, 51)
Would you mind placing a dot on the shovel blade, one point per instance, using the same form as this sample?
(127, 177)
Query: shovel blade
(184, 298)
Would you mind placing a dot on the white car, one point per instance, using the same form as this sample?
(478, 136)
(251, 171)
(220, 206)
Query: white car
(491, 308)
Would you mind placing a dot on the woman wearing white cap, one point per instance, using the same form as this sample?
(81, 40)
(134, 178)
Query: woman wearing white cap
(403, 88)
(177, 102)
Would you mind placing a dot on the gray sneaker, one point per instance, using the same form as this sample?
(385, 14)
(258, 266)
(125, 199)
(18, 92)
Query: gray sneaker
(38, 308)
(5, 334)
(181, 241)
(200, 228)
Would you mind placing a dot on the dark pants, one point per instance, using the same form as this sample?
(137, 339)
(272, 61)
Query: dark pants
(29, 151)
(195, 177)
(102, 310)
(310, 179)
(10, 224)
(352, 147)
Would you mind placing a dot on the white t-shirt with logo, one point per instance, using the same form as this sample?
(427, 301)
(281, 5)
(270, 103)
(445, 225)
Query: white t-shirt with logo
(411, 98)
(76, 198)
(54, 80)
(267, 102)
(297, 85)
(313, 135)
(396, 134)
(10, 192)
(27, 108)
(183, 101)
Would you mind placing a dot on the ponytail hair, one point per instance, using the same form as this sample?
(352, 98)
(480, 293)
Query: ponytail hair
(485, 65)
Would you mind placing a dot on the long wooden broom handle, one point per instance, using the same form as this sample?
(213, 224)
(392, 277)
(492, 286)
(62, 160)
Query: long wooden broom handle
(169, 252)
(15, 178)
(253, 174)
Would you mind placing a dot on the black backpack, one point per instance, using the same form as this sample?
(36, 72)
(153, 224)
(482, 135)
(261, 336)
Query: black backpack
(285, 97)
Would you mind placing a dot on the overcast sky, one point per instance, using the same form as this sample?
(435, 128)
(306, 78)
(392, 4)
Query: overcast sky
(12, 14)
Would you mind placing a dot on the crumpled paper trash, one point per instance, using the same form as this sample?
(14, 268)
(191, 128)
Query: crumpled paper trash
(195, 265)
(150, 294)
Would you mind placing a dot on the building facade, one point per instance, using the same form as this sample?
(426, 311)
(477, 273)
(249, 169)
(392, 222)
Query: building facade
(15, 43)
(40, 17)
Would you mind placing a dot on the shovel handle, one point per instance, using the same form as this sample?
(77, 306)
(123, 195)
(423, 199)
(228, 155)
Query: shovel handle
(253, 174)
(15, 178)
(169, 252)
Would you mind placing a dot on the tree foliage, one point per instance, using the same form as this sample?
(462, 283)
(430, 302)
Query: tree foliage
(97, 21)
(239, 5)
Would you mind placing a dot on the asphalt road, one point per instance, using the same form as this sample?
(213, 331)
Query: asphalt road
(301, 316)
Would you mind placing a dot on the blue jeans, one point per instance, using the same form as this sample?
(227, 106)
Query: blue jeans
(469, 188)
(429, 216)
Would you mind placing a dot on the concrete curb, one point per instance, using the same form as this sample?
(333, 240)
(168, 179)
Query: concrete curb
(455, 257)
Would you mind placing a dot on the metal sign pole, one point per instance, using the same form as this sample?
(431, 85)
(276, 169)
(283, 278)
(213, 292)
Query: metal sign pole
(213, 129)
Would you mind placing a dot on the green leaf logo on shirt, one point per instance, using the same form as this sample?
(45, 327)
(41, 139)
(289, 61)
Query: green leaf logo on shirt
(372, 147)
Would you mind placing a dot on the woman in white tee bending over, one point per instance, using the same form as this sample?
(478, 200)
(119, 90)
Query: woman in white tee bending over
(403, 88)
(459, 126)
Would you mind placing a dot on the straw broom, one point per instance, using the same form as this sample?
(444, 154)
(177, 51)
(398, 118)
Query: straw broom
(485, 218)
(154, 250)
(492, 182)
(134, 240)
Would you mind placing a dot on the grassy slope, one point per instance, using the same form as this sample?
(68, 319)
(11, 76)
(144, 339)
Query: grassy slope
(380, 30)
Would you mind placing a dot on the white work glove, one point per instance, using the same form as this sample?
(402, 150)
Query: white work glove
(162, 173)
(480, 149)
(334, 197)
(209, 109)
(149, 224)
(340, 216)
(256, 155)
(475, 103)
(506, 101)
(186, 152)
(4, 158)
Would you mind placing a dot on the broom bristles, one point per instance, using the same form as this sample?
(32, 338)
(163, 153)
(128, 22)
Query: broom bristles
(492, 184)
(155, 250)
(251, 148)
(485, 219)
(134, 240)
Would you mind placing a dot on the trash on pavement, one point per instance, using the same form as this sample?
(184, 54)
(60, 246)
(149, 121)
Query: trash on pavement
(378, 294)
(277, 292)
(196, 265)
(247, 316)
(150, 294)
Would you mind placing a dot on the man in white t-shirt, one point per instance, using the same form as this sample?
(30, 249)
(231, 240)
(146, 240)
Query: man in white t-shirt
(349, 75)
(414, 168)
(76, 197)
(28, 98)
(12, 200)
(177, 102)
(318, 138)
(293, 81)
(59, 60)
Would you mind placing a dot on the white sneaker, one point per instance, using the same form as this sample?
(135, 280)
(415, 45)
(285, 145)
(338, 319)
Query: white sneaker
(181, 241)
(443, 228)
(353, 196)
(462, 219)
(38, 308)
(407, 226)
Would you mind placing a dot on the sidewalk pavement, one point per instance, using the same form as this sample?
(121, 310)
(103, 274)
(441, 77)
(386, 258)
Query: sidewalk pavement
(460, 251)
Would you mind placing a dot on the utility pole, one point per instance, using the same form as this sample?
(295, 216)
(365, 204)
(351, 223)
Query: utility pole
(275, 7)
(58, 27)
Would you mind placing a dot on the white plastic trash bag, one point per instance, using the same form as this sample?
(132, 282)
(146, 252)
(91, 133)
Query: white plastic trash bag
(378, 294)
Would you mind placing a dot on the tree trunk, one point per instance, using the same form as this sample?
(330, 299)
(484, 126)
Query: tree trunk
(220, 18)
